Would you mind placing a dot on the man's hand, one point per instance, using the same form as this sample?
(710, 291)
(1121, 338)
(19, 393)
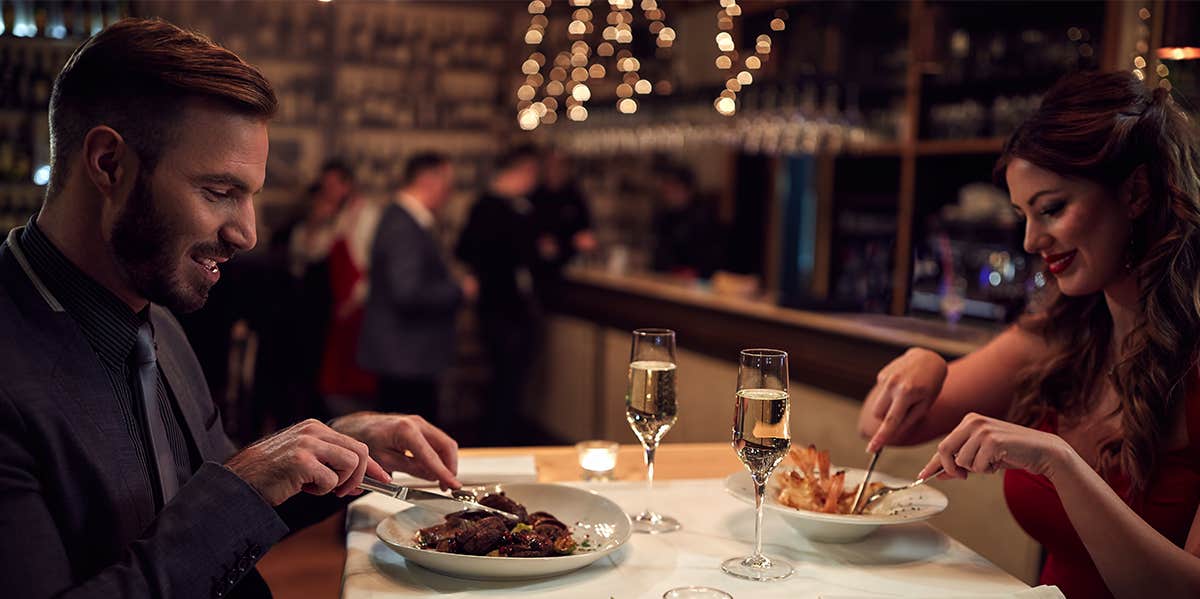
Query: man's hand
(405, 443)
(470, 287)
(584, 242)
(307, 456)
(547, 247)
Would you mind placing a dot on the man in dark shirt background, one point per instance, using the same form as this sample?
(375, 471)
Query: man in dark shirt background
(116, 477)
(561, 219)
(499, 245)
(687, 238)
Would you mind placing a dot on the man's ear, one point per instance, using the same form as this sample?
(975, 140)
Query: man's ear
(1135, 192)
(104, 159)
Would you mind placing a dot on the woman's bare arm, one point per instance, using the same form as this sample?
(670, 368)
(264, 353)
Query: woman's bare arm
(907, 407)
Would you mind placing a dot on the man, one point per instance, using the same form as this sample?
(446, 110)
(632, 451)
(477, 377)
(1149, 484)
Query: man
(116, 478)
(687, 238)
(499, 245)
(561, 218)
(408, 335)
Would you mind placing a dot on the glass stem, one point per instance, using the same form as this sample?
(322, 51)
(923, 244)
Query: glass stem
(650, 449)
(760, 490)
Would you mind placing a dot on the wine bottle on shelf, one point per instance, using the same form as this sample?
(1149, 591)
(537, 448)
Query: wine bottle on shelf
(8, 81)
(8, 152)
(23, 165)
(20, 76)
(8, 18)
(41, 81)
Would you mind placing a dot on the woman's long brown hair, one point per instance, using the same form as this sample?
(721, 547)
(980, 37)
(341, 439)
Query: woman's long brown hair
(1111, 129)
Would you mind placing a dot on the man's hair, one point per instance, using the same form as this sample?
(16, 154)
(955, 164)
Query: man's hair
(423, 163)
(136, 76)
(678, 174)
(339, 166)
(516, 155)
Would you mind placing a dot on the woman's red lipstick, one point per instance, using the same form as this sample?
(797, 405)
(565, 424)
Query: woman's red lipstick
(1058, 263)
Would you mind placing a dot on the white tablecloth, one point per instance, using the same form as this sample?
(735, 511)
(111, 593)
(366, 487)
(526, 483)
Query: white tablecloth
(911, 560)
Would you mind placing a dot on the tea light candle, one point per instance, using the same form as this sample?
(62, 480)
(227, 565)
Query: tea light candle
(597, 459)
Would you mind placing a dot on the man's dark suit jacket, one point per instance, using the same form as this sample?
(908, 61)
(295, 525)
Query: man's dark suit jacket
(499, 244)
(408, 329)
(77, 510)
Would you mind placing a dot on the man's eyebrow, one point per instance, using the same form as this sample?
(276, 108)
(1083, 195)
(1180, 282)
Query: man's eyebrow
(224, 179)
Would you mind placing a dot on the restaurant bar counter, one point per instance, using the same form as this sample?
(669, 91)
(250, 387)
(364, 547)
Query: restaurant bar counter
(580, 383)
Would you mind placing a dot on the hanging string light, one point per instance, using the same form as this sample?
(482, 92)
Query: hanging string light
(726, 102)
(1142, 46)
(573, 74)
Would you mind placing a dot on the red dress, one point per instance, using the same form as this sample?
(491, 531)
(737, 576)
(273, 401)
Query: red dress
(340, 374)
(1169, 505)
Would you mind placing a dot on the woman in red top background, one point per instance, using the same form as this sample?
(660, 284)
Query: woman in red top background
(1091, 403)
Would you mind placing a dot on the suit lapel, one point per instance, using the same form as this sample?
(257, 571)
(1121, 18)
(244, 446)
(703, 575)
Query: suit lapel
(432, 254)
(79, 387)
(87, 401)
(189, 405)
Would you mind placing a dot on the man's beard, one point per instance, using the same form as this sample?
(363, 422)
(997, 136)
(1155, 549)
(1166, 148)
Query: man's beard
(143, 243)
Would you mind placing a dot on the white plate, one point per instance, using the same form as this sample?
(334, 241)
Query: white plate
(913, 505)
(609, 526)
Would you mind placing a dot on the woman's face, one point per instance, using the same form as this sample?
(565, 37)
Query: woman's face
(1079, 227)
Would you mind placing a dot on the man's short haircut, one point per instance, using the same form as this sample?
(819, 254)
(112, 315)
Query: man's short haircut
(516, 155)
(422, 163)
(136, 77)
(339, 166)
(680, 174)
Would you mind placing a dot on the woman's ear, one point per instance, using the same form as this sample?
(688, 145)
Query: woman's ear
(1135, 192)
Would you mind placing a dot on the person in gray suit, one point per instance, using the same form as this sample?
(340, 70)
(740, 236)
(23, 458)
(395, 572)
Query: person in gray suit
(408, 336)
(116, 476)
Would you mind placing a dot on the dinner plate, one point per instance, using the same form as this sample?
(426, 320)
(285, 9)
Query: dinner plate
(913, 505)
(592, 517)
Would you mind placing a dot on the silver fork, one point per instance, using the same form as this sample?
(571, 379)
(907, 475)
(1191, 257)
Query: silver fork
(885, 491)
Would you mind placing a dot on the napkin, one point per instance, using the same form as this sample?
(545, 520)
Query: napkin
(476, 470)
(1040, 592)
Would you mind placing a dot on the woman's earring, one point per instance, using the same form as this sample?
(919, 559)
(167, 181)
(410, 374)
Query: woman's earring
(1129, 250)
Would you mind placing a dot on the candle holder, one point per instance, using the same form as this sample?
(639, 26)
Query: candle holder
(597, 459)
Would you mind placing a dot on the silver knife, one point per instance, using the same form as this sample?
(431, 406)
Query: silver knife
(862, 487)
(428, 499)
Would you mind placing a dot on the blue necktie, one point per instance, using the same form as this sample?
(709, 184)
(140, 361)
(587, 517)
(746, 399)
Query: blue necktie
(145, 364)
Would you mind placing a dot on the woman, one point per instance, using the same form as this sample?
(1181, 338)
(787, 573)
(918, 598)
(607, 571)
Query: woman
(1091, 403)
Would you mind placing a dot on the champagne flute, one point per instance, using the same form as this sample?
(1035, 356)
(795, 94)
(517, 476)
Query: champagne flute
(761, 439)
(650, 408)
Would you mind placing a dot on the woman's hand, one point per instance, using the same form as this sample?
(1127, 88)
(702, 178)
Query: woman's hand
(904, 390)
(983, 445)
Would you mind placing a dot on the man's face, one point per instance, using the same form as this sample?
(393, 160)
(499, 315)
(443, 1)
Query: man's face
(526, 173)
(556, 170)
(675, 195)
(195, 210)
(336, 185)
(441, 183)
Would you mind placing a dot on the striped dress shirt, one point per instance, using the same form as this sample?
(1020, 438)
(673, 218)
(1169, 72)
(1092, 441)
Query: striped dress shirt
(111, 328)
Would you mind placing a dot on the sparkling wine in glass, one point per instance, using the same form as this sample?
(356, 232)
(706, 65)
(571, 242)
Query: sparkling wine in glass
(650, 408)
(761, 440)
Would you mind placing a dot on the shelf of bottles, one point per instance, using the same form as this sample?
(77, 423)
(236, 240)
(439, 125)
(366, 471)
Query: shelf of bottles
(36, 38)
(368, 82)
(414, 78)
(989, 67)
